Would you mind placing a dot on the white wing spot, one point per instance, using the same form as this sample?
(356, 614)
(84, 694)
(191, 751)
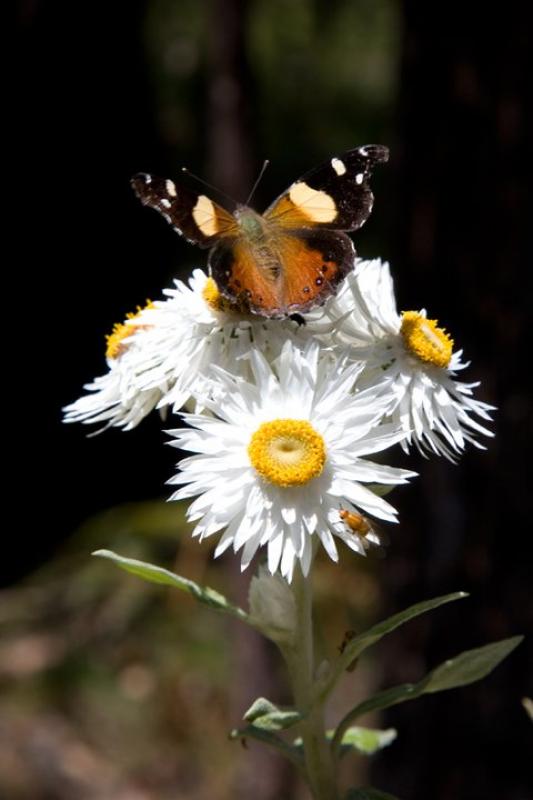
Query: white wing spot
(317, 206)
(171, 189)
(359, 178)
(204, 215)
(338, 166)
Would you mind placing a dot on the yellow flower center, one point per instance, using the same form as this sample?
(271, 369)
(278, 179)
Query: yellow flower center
(217, 302)
(287, 452)
(425, 340)
(122, 330)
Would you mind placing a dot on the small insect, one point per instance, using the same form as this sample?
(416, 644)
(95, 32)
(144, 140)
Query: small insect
(364, 529)
(348, 636)
(356, 522)
(292, 257)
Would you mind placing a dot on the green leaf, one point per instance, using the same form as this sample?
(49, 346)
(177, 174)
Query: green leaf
(470, 666)
(358, 644)
(368, 793)
(263, 719)
(265, 715)
(527, 703)
(259, 708)
(154, 574)
(272, 740)
(384, 699)
(365, 740)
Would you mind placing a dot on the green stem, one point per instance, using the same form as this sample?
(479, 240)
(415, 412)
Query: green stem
(300, 660)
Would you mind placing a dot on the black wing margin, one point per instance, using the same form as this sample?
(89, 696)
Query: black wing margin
(344, 179)
(195, 216)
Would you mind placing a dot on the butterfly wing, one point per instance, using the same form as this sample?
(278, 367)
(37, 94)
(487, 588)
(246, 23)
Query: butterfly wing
(298, 270)
(335, 195)
(301, 255)
(194, 216)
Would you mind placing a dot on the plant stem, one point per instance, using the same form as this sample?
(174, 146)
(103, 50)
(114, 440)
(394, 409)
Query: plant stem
(300, 660)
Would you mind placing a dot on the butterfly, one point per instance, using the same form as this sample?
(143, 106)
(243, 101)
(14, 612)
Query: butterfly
(292, 257)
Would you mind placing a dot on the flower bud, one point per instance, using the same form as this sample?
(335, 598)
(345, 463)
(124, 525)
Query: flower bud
(272, 606)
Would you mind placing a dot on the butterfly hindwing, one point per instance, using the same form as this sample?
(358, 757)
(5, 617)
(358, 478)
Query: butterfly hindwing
(298, 271)
(195, 216)
(242, 280)
(314, 263)
(335, 195)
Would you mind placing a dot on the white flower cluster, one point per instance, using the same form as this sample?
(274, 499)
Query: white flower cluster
(285, 413)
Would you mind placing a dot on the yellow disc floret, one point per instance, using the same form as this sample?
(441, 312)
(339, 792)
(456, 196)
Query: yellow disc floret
(121, 330)
(425, 340)
(287, 452)
(211, 294)
(217, 302)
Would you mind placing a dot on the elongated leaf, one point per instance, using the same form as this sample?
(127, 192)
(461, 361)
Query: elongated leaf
(470, 666)
(265, 715)
(272, 740)
(527, 703)
(380, 700)
(154, 574)
(467, 667)
(368, 793)
(358, 644)
(365, 740)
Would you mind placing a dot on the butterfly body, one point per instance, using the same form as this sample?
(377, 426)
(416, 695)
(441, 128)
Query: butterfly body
(292, 257)
(258, 238)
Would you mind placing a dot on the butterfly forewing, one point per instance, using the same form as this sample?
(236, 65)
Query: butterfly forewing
(335, 195)
(195, 216)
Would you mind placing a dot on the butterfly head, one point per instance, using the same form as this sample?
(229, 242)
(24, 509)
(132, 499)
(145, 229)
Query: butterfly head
(251, 224)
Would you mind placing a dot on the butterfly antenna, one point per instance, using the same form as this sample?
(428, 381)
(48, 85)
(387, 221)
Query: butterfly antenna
(209, 185)
(266, 162)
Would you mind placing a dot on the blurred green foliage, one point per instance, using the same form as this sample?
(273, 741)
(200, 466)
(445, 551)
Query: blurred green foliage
(323, 74)
(112, 687)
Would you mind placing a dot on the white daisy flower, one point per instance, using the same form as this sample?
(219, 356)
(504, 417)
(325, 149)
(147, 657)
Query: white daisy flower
(160, 356)
(283, 458)
(116, 398)
(436, 411)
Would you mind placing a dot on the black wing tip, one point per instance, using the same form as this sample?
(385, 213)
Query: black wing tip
(140, 178)
(371, 154)
(378, 153)
(140, 183)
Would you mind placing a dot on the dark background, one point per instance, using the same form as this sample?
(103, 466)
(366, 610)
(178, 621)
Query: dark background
(106, 90)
